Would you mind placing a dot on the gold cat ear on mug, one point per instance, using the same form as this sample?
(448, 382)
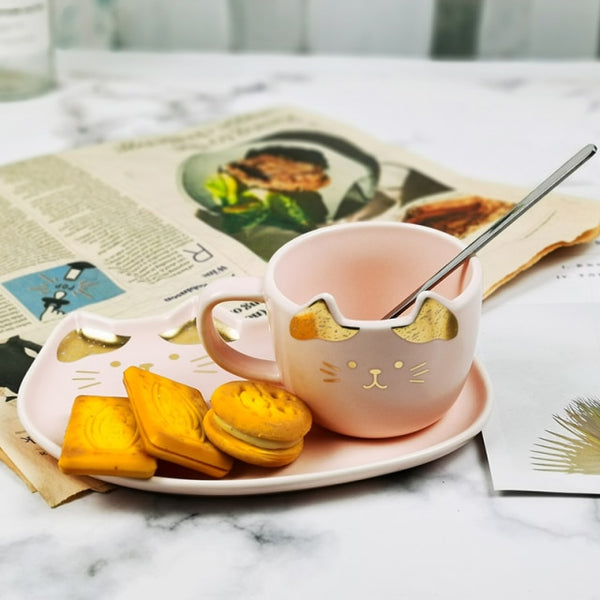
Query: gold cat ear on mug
(316, 323)
(434, 322)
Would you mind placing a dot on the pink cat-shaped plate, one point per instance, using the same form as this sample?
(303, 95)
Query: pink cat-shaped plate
(167, 346)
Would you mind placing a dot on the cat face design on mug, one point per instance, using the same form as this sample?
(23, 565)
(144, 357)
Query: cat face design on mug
(378, 370)
(372, 378)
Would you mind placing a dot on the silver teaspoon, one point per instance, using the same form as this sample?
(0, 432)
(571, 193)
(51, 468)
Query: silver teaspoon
(502, 223)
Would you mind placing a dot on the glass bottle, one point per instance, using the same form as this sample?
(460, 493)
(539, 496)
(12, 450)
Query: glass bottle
(26, 48)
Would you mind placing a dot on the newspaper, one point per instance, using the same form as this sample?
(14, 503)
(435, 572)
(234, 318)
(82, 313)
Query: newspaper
(133, 228)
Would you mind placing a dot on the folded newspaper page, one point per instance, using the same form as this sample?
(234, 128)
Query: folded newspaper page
(133, 228)
(541, 348)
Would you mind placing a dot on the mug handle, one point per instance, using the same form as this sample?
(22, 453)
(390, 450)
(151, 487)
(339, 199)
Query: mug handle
(232, 360)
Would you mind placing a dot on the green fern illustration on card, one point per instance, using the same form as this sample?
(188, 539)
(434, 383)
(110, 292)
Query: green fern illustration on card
(576, 447)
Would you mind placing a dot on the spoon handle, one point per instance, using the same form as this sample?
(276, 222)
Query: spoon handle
(502, 223)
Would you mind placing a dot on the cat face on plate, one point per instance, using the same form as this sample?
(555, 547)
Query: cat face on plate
(99, 357)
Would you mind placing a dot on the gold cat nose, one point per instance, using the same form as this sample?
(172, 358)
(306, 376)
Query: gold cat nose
(375, 382)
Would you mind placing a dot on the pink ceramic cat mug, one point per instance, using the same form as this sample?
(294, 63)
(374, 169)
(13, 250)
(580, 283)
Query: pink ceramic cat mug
(326, 292)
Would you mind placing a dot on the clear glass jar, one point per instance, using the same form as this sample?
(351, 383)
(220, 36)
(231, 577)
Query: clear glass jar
(26, 48)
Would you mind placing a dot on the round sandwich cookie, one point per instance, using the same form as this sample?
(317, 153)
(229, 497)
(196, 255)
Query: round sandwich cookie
(258, 423)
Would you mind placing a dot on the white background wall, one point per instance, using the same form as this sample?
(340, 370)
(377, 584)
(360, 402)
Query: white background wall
(557, 29)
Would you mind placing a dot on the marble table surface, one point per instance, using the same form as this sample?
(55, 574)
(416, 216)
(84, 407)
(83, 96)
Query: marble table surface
(434, 531)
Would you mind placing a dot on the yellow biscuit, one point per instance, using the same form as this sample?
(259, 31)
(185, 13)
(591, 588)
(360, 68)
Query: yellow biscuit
(169, 416)
(102, 438)
(248, 451)
(257, 422)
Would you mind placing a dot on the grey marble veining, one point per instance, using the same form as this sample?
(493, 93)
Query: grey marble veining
(435, 531)
(436, 527)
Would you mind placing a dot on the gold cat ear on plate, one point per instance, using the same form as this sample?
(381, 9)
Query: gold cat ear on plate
(317, 323)
(434, 322)
(80, 343)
